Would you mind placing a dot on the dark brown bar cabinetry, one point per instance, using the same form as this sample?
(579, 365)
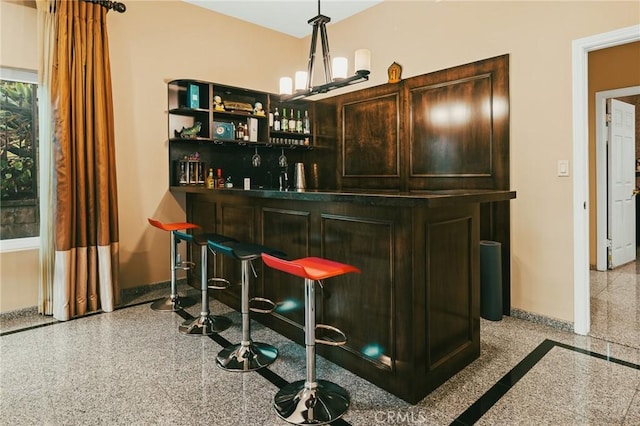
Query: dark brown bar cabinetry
(412, 317)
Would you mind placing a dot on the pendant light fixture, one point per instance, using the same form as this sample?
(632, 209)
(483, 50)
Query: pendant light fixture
(335, 72)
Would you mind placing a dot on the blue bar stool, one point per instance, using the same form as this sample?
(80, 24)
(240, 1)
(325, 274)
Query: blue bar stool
(207, 324)
(311, 401)
(246, 355)
(174, 303)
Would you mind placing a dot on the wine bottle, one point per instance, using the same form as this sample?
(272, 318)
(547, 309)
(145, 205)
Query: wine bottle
(292, 121)
(285, 121)
(276, 120)
(306, 125)
(298, 123)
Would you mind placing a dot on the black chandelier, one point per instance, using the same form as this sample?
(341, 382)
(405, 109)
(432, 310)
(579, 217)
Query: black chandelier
(334, 78)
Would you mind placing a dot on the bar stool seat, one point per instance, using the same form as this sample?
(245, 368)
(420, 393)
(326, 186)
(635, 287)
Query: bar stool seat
(311, 401)
(246, 355)
(207, 324)
(174, 302)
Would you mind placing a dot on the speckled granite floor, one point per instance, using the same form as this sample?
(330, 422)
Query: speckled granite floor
(132, 367)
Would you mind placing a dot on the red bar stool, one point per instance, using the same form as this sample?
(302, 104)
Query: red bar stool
(311, 401)
(207, 324)
(174, 302)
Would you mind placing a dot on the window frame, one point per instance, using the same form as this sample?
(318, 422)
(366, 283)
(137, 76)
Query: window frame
(25, 243)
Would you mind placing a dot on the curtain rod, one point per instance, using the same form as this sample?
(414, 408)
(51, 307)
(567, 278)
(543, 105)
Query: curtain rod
(115, 5)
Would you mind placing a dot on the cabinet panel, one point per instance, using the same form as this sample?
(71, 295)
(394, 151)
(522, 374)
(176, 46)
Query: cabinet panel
(237, 221)
(451, 292)
(458, 127)
(451, 129)
(371, 132)
(369, 245)
(288, 231)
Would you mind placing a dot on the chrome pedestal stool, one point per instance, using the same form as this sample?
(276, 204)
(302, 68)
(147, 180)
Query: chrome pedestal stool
(311, 401)
(207, 324)
(246, 355)
(174, 302)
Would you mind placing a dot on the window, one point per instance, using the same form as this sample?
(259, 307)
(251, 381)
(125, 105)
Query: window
(19, 202)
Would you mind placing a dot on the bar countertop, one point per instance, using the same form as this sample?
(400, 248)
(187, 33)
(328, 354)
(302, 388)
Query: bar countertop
(432, 198)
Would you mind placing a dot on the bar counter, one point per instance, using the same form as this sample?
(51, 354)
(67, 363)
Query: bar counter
(412, 317)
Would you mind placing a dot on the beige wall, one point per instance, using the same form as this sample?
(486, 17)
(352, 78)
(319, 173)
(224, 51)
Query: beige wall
(18, 270)
(157, 41)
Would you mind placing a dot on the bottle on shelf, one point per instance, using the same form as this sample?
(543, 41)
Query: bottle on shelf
(284, 124)
(306, 124)
(292, 121)
(276, 120)
(270, 119)
(298, 123)
(228, 183)
(240, 131)
(219, 179)
(210, 182)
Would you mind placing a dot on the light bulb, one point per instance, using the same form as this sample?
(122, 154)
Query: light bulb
(340, 66)
(286, 86)
(301, 80)
(363, 60)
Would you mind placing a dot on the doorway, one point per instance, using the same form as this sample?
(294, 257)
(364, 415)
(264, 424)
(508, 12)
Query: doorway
(629, 95)
(580, 51)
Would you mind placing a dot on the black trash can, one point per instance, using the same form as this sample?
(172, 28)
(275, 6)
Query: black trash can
(491, 280)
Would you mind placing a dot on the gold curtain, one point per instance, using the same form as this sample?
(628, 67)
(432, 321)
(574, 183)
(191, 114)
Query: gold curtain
(85, 202)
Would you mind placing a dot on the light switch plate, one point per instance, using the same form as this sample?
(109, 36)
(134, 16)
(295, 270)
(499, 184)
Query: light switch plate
(563, 168)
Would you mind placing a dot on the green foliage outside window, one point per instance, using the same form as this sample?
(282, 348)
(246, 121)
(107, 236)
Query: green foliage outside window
(17, 145)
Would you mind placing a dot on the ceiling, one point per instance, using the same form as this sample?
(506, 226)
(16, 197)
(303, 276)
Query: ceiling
(286, 16)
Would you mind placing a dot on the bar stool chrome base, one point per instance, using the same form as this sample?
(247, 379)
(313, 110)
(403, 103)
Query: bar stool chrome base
(205, 325)
(302, 405)
(173, 303)
(246, 357)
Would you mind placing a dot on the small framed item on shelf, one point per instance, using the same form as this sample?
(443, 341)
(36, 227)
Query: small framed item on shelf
(223, 130)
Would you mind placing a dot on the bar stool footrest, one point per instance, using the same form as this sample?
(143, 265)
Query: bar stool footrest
(342, 340)
(172, 304)
(242, 358)
(265, 301)
(225, 283)
(185, 265)
(298, 404)
(205, 325)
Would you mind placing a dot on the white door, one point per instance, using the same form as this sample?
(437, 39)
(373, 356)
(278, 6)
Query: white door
(621, 182)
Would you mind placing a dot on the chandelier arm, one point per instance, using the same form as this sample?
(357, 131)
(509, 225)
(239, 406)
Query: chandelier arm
(312, 55)
(326, 56)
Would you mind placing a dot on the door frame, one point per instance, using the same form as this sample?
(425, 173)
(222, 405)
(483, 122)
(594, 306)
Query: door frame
(580, 49)
(601, 167)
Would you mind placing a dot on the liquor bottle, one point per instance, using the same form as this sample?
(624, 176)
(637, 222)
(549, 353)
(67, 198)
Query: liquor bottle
(270, 119)
(219, 180)
(292, 121)
(276, 120)
(211, 183)
(285, 121)
(298, 123)
(306, 125)
(241, 132)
